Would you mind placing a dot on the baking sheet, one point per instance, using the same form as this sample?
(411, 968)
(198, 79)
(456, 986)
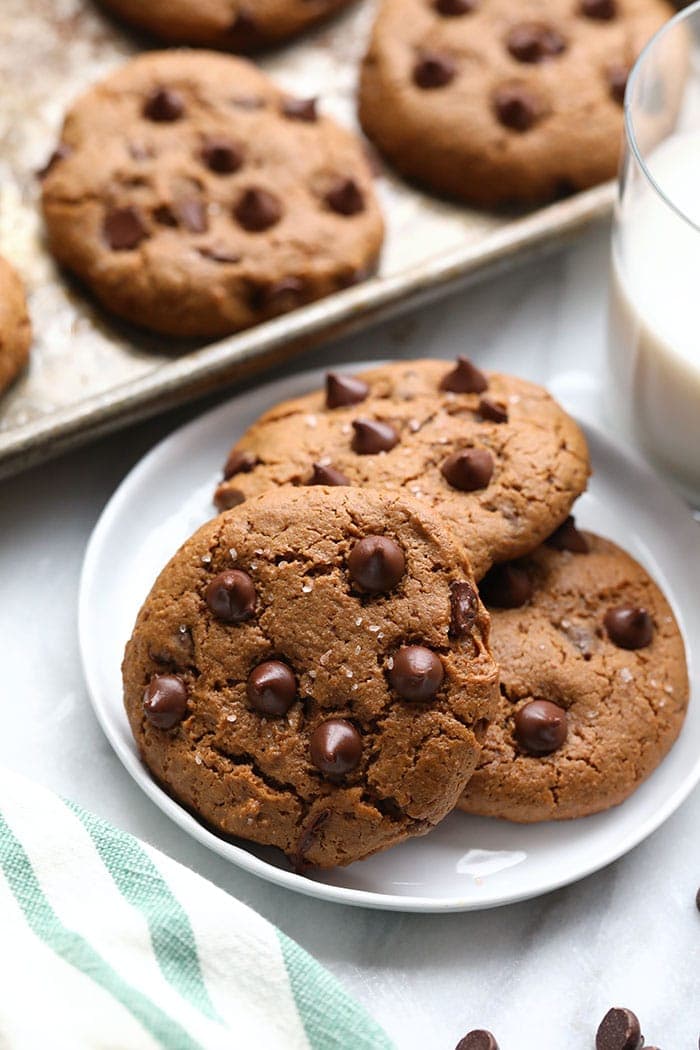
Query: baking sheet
(90, 373)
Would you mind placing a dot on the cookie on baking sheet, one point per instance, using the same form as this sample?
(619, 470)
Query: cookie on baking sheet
(494, 455)
(15, 328)
(240, 25)
(311, 671)
(594, 685)
(195, 198)
(500, 101)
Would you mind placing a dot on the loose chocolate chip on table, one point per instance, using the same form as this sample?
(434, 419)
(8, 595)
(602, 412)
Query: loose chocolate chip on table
(257, 210)
(164, 105)
(453, 8)
(601, 10)
(336, 747)
(619, 1030)
(272, 688)
(515, 107)
(238, 462)
(417, 673)
(222, 156)
(345, 197)
(506, 586)
(568, 538)
(468, 469)
(493, 411)
(193, 215)
(376, 563)
(463, 610)
(325, 474)
(532, 42)
(541, 726)
(124, 228)
(165, 700)
(479, 1039)
(342, 390)
(433, 70)
(300, 109)
(60, 153)
(617, 79)
(231, 596)
(372, 437)
(629, 627)
(465, 378)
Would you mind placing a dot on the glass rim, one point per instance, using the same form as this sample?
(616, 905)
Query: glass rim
(630, 135)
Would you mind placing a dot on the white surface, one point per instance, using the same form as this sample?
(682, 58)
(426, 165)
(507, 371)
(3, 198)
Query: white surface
(540, 974)
(466, 863)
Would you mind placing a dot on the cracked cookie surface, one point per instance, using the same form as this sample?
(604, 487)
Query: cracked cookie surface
(311, 671)
(569, 646)
(195, 198)
(15, 328)
(495, 456)
(500, 102)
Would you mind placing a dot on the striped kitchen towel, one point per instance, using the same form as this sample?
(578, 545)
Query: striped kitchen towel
(108, 944)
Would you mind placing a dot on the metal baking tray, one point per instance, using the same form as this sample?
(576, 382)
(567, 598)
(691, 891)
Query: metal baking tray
(90, 373)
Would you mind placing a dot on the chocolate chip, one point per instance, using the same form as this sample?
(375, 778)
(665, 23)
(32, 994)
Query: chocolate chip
(165, 700)
(231, 596)
(619, 1030)
(541, 726)
(124, 228)
(601, 10)
(568, 538)
(222, 156)
(376, 563)
(193, 215)
(164, 215)
(464, 607)
(300, 109)
(60, 153)
(617, 80)
(278, 297)
(468, 469)
(343, 390)
(493, 411)
(345, 197)
(506, 586)
(272, 688)
(433, 70)
(336, 747)
(239, 462)
(164, 105)
(325, 474)
(372, 437)
(244, 25)
(515, 107)
(464, 378)
(225, 497)
(452, 8)
(257, 210)
(534, 42)
(479, 1039)
(219, 255)
(629, 627)
(417, 673)
(306, 839)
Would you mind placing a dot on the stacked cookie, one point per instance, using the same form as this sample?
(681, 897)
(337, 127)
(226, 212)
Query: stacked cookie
(316, 668)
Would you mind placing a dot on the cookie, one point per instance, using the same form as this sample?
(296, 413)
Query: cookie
(594, 685)
(194, 198)
(239, 25)
(15, 328)
(507, 100)
(495, 456)
(311, 671)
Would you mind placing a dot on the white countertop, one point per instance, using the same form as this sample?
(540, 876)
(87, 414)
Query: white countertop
(539, 974)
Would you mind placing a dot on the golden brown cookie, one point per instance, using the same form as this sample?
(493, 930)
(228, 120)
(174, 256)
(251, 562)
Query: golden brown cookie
(311, 671)
(495, 456)
(594, 685)
(194, 198)
(15, 328)
(496, 101)
(239, 25)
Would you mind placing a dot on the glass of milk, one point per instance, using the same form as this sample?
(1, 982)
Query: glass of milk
(653, 386)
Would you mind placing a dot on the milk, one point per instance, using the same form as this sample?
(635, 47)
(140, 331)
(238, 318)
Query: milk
(654, 341)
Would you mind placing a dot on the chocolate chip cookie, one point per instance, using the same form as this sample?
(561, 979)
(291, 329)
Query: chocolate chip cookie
(500, 101)
(15, 328)
(239, 25)
(194, 198)
(594, 685)
(495, 456)
(311, 671)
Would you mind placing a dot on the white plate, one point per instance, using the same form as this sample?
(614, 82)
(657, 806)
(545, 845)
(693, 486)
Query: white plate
(467, 862)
